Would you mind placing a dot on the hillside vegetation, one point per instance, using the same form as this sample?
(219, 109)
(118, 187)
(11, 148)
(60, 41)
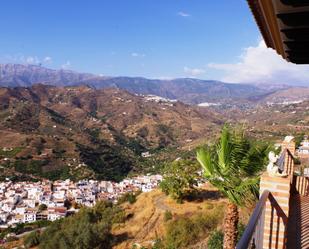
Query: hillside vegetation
(81, 132)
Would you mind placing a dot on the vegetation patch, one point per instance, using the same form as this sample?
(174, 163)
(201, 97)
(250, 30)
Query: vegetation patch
(89, 228)
(129, 197)
(180, 179)
(107, 162)
(10, 152)
(186, 231)
(24, 227)
(55, 116)
(33, 167)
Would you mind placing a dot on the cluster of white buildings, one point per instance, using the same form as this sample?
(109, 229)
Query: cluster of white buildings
(23, 202)
(159, 100)
(303, 150)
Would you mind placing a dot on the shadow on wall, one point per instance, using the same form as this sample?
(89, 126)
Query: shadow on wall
(277, 221)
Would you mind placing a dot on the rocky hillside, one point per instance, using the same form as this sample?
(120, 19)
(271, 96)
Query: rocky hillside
(53, 132)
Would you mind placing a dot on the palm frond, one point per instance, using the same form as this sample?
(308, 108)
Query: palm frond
(204, 158)
(224, 149)
(233, 166)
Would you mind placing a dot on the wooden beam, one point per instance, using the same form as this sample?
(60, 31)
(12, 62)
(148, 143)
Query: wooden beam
(273, 26)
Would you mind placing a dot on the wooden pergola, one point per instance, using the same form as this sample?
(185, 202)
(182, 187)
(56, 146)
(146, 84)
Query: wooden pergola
(284, 25)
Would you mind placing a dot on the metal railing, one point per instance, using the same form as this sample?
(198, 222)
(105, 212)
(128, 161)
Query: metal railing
(285, 162)
(253, 234)
(281, 161)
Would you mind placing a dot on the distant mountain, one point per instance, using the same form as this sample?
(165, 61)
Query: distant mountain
(192, 91)
(288, 95)
(12, 75)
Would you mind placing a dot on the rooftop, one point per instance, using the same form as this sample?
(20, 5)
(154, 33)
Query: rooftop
(284, 25)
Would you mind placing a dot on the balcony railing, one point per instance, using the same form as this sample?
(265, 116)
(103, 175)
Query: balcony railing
(253, 235)
(286, 162)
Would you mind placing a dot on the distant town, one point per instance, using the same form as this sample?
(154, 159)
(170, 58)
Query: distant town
(26, 202)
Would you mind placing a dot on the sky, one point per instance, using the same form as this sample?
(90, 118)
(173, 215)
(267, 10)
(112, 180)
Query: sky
(149, 38)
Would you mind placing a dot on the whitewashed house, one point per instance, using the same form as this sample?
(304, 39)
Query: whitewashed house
(29, 216)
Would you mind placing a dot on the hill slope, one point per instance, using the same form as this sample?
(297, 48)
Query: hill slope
(83, 132)
(288, 95)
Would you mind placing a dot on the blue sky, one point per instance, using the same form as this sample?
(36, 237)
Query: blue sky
(150, 38)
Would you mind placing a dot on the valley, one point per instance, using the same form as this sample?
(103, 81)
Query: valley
(72, 125)
(81, 132)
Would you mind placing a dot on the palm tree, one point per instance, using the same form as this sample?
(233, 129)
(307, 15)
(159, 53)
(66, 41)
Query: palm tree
(233, 166)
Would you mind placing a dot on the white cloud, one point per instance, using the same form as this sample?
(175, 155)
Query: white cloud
(32, 60)
(183, 14)
(260, 64)
(194, 72)
(48, 60)
(134, 54)
(66, 65)
(22, 59)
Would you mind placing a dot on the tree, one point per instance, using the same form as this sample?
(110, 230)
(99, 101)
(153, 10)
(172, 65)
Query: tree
(298, 139)
(90, 228)
(42, 207)
(233, 166)
(180, 179)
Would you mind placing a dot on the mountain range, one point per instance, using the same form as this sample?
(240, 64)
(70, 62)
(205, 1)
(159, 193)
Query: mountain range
(81, 125)
(187, 90)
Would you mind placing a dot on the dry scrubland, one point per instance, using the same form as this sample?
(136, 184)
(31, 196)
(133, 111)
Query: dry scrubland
(147, 223)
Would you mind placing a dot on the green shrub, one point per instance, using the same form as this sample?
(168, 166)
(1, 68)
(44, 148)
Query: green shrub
(33, 239)
(185, 231)
(215, 240)
(168, 216)
(131, 198)
(128, 197)
(89, 228)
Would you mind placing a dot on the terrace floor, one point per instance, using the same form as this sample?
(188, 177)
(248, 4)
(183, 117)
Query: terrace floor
(298, 227)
